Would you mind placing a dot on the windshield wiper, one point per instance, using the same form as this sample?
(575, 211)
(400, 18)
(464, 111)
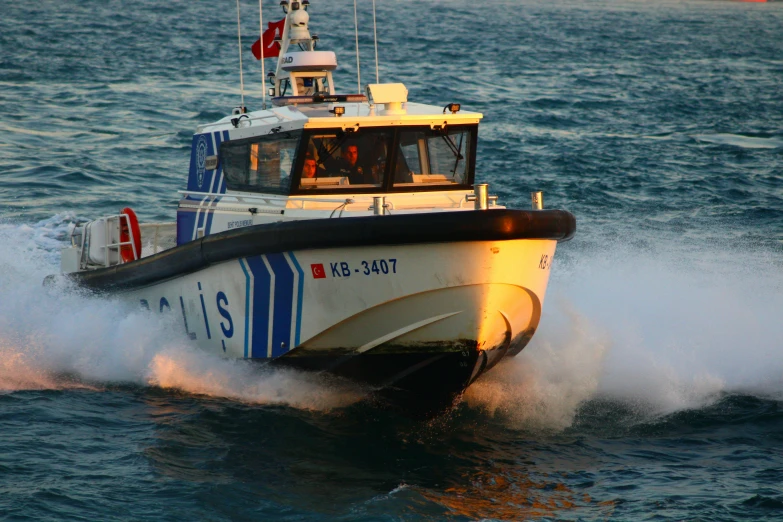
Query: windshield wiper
(456, 150)
(324, 152)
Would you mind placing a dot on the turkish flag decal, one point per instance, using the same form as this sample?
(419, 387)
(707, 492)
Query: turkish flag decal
(318, 271)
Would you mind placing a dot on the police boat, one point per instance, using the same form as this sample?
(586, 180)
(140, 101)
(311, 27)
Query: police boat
(337, 232)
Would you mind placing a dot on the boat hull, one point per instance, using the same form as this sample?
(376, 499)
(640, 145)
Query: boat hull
(419, 320)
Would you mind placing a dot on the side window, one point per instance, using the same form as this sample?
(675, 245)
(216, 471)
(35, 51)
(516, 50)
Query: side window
(433, 157)
(337, 160)
(260, 164)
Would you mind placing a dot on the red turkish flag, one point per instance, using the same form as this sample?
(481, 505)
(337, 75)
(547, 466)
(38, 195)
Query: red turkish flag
(271, 48)
(318, 271)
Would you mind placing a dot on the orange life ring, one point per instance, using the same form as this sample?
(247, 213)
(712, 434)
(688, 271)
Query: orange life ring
(126, 251)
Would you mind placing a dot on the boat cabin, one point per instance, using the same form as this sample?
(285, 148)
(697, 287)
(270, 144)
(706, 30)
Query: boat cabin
(317, 154)
(312, 156)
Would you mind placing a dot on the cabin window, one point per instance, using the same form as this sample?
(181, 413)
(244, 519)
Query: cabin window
(343, 160)
(260, 164)
(433, 157)
(312, 85)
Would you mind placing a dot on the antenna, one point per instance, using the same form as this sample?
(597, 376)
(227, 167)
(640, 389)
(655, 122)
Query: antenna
(241, 81)
(375, 37)
(263, 71)
(358, 70)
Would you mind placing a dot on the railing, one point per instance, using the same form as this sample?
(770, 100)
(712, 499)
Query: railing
(157, 237)
(102, 247)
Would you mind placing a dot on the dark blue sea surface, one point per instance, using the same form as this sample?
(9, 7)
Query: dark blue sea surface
(653, 389)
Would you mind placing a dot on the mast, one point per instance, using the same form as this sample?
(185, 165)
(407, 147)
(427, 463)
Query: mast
(301, 70)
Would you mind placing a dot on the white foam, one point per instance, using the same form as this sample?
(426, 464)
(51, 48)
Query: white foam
(738, 140)
(54, 338)
(661, 331)
(200, 373)
(543, 387)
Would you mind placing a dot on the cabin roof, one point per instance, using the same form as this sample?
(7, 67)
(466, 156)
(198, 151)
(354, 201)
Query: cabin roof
(315, 116)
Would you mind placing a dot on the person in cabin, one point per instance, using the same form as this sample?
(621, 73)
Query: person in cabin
(349, 164)
(310, 168)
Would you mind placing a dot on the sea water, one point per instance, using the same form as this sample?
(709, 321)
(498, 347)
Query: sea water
(652, 390)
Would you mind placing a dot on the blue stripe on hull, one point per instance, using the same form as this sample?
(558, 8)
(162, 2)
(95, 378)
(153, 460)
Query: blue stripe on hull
(247, 305)
(284, 300)
(262, 280)
(298, 300)
(283, 334)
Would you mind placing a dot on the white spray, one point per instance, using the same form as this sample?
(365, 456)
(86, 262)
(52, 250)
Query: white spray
(53, 338)
(664, 331)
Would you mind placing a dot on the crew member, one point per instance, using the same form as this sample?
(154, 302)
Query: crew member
(349, 164)
(310, 167)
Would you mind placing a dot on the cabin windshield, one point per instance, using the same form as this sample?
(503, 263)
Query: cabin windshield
(261, 164)
(433, 157)
(337, 159)
(387, 159)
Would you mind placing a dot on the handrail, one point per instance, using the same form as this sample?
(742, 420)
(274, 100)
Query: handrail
(110, 246)
(270, 197)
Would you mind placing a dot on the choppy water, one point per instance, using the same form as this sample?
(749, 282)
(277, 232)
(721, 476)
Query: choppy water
(653, 390)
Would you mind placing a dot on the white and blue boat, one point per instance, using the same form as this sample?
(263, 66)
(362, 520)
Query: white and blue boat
(337, 232)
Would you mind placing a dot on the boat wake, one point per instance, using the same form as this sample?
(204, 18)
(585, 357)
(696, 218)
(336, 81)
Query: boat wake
(59, 338)
(651, 333)
(742, 141)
